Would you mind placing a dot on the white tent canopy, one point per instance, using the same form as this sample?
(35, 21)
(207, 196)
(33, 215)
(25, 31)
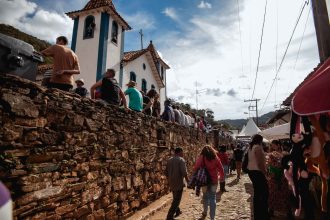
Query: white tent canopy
(277, 132)
(249, 130)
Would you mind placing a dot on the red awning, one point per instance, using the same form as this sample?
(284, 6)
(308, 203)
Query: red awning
(313, 96)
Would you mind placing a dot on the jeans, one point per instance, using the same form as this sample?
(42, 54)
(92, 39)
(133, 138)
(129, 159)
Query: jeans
(226, 170)
(260, 195)
(177, 195)
(209, 199)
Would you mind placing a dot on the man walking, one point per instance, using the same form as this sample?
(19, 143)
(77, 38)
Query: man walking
(65, 64)
(238, 157)
(176, 170)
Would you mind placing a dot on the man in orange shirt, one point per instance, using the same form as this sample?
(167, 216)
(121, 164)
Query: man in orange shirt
(65, 65)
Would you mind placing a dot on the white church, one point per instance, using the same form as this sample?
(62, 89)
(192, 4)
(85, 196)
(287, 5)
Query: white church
(98, 39)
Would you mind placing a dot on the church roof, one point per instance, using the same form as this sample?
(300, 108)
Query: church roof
(153, 57)
(132, 55)
(105, 5)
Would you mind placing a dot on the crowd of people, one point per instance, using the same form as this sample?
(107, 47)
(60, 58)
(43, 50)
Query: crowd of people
(107, 90)
(271, 192)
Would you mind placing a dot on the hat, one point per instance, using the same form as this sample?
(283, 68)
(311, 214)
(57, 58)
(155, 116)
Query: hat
(80, 80)
(131, 84)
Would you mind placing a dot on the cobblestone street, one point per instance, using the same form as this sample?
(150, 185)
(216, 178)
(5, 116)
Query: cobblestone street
(234, 204)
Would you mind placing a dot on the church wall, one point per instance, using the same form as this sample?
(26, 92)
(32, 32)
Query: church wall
(87, 51)
(137, 67)
(66, 157)
(114, 50)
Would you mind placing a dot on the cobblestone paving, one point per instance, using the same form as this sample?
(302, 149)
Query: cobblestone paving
(234, 204)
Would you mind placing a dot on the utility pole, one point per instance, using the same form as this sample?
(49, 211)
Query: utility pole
(322, 28)
(254, 108)
(141, 37)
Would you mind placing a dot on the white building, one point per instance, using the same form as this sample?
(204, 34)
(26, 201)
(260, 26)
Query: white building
(98, 40)
(147, 69)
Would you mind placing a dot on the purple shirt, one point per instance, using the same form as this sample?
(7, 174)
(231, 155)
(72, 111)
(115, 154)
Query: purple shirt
(4, 195)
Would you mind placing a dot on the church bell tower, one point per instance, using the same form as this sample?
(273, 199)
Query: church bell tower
(98, 40)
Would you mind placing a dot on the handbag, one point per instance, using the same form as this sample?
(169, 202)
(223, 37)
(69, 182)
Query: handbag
(202, 175)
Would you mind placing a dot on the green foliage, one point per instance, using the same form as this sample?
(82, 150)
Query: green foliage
(38, 44)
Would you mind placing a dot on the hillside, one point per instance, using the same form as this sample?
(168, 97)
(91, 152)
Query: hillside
(238, 123)
(38, 44)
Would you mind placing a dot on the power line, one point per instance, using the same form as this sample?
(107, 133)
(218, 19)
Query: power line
(262, 34)
(286, 50)
(302, 38)
(240, 34)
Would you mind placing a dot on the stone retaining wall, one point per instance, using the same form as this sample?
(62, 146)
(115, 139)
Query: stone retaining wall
(66, 157)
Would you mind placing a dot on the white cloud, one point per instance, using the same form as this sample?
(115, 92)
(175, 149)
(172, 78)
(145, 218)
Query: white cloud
(204, 5)
(141, 20)
(31, 19)
(208, 50)
(170, 12)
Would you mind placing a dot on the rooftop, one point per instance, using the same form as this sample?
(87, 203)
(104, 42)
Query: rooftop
(104, 5)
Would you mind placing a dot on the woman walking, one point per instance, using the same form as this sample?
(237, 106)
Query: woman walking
(279, 193)
(208, 159)
(257, 171)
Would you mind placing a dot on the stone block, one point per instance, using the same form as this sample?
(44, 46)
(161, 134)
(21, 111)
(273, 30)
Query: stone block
(111, 212)
(128, 179)
(124, 207)
(21, 105)
(135, 204)
(40, 195)
(123, 195)
(137, 180)
(99, 214)
(65, 209)
(118, 183)
(84, 210)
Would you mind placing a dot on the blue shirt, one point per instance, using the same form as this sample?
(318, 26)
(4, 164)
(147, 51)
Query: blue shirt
(135, 99)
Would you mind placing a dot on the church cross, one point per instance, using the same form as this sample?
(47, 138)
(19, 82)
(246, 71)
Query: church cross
(141, 37)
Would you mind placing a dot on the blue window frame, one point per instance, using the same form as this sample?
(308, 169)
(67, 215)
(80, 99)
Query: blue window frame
(132, 76)
(114, 32)
(89, 27)
(144, 86)
(162, 72)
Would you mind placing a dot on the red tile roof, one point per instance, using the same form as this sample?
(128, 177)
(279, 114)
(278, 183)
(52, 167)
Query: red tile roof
(132, 55)
(94, 4)
(287, 101)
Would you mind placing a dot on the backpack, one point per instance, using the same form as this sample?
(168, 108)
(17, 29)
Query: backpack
(245, 162)
(110, 91)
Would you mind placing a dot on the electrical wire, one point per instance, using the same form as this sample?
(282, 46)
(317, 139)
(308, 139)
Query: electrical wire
(286, 50)
(295, 63)
(260, 45)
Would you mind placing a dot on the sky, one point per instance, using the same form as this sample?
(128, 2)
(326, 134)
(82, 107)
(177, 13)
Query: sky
(211, 45)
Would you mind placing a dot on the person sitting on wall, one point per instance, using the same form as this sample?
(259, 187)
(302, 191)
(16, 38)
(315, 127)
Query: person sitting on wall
(80, 90)
(168, 114)
(110, 92)
(135, 97)
(150, 98)
(65, 64)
